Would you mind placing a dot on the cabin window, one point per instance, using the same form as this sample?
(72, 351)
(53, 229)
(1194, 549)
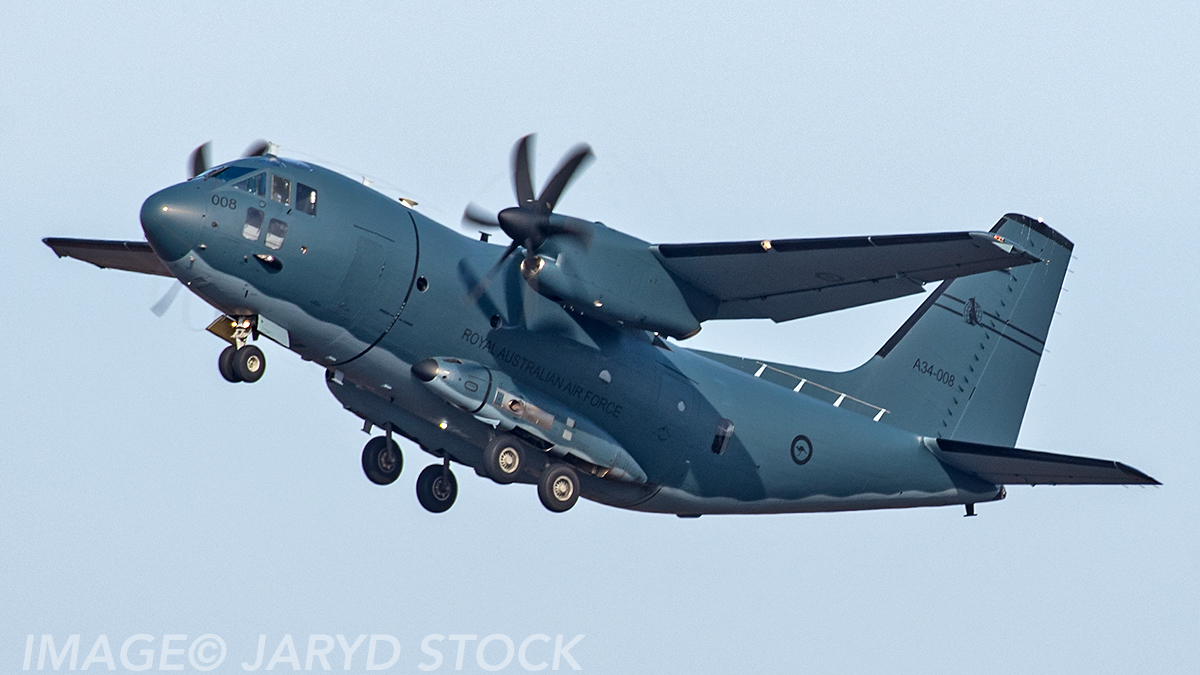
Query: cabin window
(276, 231)
(721, 439)
(255, 185)
(253, 225)
(281, 190)
(306, 199)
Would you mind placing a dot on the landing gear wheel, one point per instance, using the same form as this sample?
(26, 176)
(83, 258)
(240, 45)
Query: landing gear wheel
(558, 488)
(249, 363)
(436, 488)
(382, 461)
(225, 365)
(504, 458)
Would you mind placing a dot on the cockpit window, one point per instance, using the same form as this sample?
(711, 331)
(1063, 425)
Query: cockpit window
(276, 231)
(306, 199)
(255, 185)
(231, 172)
(253, 226)
(281, 190)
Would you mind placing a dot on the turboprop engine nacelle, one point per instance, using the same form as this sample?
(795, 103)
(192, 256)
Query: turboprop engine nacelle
(495, 399)
(617, 279)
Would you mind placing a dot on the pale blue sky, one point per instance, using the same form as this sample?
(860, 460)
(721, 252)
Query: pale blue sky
(143, 494)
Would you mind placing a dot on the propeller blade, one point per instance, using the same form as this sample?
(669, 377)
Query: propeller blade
(563, 175)
(480, 216)
(198, 163)
(522, 178)
(164, 303)
(257, 149)
(487, 278)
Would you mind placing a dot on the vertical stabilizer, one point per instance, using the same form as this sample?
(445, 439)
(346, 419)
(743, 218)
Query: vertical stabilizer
(963, 364)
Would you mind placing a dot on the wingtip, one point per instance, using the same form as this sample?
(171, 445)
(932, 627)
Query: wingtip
(1143, 478)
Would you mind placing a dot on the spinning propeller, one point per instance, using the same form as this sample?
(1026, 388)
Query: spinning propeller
(532, 221)
(199, 161)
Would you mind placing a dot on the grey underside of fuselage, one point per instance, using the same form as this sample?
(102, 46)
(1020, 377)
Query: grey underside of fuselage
(857, 464)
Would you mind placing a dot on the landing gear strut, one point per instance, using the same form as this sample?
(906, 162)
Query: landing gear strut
(437, 488)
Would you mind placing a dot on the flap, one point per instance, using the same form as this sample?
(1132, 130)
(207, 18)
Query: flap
(1000, 465)
(792, 278)
(131, 256)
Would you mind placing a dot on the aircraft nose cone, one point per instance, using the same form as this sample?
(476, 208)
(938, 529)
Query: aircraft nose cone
(170, 223)
(425, 370)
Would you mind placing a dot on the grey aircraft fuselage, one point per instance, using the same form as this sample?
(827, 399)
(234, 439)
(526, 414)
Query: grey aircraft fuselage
(547, 362)
(366, 287)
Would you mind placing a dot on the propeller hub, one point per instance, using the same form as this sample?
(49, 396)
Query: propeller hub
(523, 224)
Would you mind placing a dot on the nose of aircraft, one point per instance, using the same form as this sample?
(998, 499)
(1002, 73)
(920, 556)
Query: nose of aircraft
(172, 220)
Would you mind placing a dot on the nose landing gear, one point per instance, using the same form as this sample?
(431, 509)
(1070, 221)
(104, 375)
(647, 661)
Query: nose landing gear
(239, 362)
(244, 364)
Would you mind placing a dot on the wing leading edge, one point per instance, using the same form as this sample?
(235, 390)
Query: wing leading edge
(131, 256)
(793, 278)
(1000, 465)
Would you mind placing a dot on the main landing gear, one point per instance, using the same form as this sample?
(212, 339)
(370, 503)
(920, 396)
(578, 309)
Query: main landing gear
(382, 460)
(558, 488)
(505, 458)
(437, 487)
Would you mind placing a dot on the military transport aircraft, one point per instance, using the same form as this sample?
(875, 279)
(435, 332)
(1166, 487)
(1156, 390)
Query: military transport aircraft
(556, 361)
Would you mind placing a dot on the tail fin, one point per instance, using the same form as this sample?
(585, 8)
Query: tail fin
(962, 366)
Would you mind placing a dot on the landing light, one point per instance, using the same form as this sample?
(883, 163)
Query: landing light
(443, 425)
(766, 244)
(164, 208)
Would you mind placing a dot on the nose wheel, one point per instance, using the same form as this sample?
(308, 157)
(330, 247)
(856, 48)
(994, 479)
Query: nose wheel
(245, 364)
(436, 488)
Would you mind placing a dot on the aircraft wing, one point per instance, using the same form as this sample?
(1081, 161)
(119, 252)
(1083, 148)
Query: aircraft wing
(1010, 466)
(791, 278)
(131, 256)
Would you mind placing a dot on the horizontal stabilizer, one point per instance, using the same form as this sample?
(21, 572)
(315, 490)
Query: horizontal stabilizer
(1000, 465)
(792, 278)
(131, 256)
